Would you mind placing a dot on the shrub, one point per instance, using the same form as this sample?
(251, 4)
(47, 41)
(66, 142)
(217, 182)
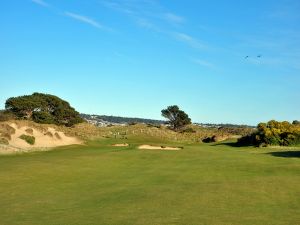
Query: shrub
(29, 139)
(248, 140)
(188, 130)
(290, 139)
(154, 125)
(296, 122)
(6, 115)
(273, 133)
(208, 140)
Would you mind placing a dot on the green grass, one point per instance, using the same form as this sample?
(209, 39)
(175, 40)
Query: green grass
(201, 184)
(29, 139)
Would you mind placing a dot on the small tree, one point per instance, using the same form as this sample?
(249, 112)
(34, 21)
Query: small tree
(177, 118)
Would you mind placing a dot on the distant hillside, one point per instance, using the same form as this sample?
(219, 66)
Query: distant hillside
(102, 120)
(227, 125)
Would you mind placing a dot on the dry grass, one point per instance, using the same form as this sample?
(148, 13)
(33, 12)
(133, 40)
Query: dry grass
(85, 131)
(48, 133)
(57, 135)
(3, 141)
(6, 131)
(29, 131)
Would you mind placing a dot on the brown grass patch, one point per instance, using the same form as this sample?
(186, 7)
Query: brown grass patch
(5, 128)
(29, 131)
(57, 135)
(3, 141)
(49, 134)
(5, 135)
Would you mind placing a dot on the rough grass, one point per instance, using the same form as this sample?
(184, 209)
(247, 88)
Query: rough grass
(85, 131)
(29, 139)
(29, 131)
(213, 184)
(4, 141)
(6, 131)
(57, 135)
(49, 134)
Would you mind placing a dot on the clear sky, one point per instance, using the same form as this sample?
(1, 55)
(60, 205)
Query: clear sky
(135, 57)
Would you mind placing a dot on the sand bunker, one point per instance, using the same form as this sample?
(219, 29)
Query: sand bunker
(153, 147)
(120, 145)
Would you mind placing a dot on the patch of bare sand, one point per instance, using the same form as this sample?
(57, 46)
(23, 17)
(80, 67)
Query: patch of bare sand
(43, 139)
(120, 145)
(153, 147)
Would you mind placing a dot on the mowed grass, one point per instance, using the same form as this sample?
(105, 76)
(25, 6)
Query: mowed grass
(201, 184)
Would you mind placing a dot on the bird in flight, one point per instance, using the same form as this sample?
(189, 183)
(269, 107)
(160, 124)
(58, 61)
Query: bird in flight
(258, 56)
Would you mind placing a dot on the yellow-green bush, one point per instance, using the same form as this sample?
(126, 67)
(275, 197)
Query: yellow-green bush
(273, 133)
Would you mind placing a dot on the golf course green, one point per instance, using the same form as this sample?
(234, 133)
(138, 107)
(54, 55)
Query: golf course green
(99, 183)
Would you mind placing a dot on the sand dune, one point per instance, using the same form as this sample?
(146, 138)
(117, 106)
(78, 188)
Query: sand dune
(44, 138)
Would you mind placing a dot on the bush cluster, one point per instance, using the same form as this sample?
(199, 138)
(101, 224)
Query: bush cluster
(188, 130)
(273, 133)
(6, 115)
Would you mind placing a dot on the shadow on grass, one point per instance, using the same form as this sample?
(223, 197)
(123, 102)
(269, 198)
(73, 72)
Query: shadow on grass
(287, 154)
(231, 144)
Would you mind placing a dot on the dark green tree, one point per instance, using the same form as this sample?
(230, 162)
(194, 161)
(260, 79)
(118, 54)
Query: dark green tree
(43, 108)
(176, 117)
(296, 122)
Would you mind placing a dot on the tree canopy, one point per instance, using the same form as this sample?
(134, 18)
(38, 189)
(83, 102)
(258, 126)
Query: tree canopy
(177, 118)
(43, 108)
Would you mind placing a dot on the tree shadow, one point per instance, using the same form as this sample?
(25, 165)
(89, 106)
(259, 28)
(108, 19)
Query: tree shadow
(287, 154)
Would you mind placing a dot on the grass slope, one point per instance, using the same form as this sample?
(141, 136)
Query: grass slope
(101, 184)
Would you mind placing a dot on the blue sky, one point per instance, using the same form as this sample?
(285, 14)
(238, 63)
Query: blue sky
(135, 57)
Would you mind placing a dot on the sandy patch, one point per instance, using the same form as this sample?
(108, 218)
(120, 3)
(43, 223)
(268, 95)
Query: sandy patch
(48, 138)
(153, 147)
(120, 145)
